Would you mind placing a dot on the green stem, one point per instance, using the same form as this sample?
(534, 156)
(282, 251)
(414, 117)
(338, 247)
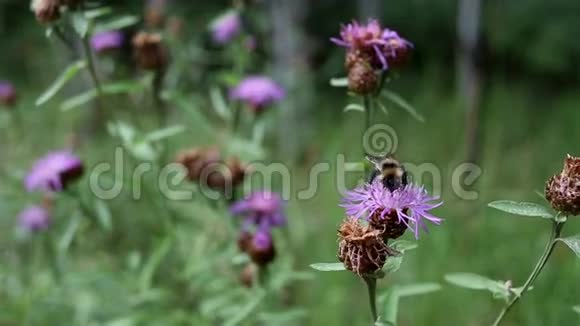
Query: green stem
(92, 67)
(367, 103)
(556, 231)
(371, 283)
(237, 118)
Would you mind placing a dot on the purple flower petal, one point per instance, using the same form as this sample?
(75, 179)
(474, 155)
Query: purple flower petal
(411, 203)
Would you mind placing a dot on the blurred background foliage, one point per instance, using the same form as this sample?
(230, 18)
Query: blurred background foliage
(527, 57)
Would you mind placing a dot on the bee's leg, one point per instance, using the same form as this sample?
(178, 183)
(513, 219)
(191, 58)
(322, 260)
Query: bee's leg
(373, 176)
(405, 178)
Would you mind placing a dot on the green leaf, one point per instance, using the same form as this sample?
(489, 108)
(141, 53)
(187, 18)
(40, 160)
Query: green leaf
(81, 24)
(354, 107)
(391, 298)
(78, 100)
(339, 82)
(98, 12)
(219, 104)
(404, 245)
(163, 133)
(573, 243)
(247, 310)
(382, 106)
(395, 98)
(120, 87)
(146, 276)
(104, 215)
(417, 289)
(59, 83)
(117, 24)
(470, 281)
(328, 267)
(521, 208)
(576, 308)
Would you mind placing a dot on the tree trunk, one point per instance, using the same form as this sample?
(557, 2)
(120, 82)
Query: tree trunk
(469, 76)
(290, 68)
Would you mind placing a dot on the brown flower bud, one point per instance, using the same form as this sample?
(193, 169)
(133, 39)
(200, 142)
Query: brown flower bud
(150, 53)
(361, 248)
(244, 241)
(563, 190)
(362, 78)
(248, 275)
(207, 167)
(389, 225)
(261, 252)
(398, 52)
(46, 11)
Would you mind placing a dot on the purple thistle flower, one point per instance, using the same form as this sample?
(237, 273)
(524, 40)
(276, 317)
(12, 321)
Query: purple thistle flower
(258, 91)
(262, 239)
(410, 204)
(53, 172)
(7, 93)
(373, 42)
(262, 209)
(34, 219)
(226, 27)
(105, 41)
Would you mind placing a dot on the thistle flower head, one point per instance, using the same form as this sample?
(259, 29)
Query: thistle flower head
(262, 209)
(380, 47)
(226, 27)
(34, 219)
(106, 41)
(563, 190)
(7, 93)
(258, 92)
(54, 172)
(361, 248)
(150, 52)
(409, 204)
(206, 166)
(46, 11)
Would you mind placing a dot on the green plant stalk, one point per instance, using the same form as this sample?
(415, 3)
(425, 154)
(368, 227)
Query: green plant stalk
(371, 283)
(556, 231)
(92, 68)
(368, 106)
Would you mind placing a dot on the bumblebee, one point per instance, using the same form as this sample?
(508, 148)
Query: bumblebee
(390, 171)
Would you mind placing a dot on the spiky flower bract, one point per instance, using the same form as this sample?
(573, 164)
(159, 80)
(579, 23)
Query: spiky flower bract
(410, 204)
(54, 172)
(563, 190)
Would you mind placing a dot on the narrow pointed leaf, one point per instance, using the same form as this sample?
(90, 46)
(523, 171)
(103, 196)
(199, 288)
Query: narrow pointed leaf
(521, 208)
(573, 243)
(328, 267)
(117, 23)
(59, 83)
(246, 311)
(219, 104)
(104, 215)
(354, 107)
(339, 82)
(470, 281)
(418, 289)
(576, 308)
(164, 133)
(397, 99)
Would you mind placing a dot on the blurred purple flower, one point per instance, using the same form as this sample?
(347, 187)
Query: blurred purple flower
(34, 219)
(262, 239)
(7, 93)
(226, 27)
(258, 91)
(105, 41)
(410, 203)
(262, 209)
(54, 172)
(372, 40)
